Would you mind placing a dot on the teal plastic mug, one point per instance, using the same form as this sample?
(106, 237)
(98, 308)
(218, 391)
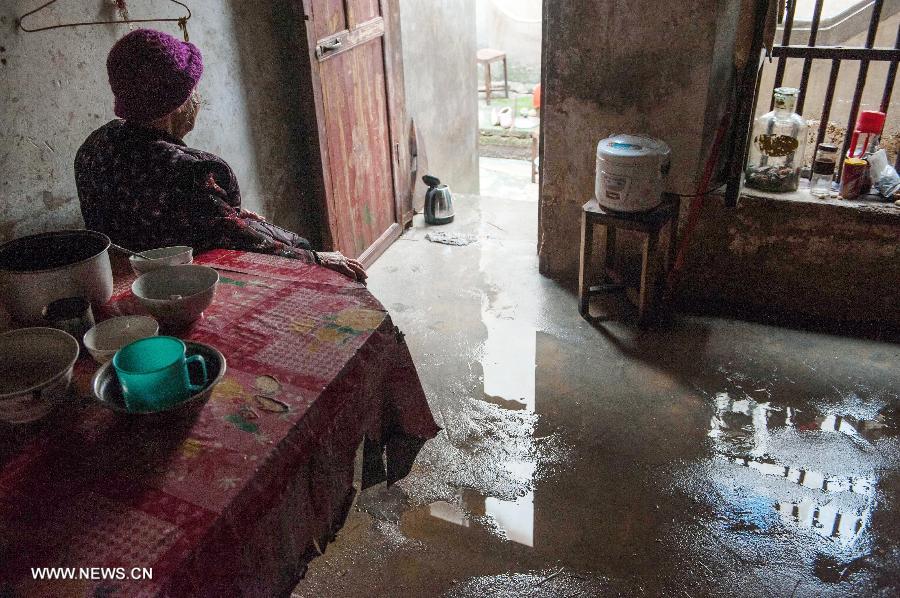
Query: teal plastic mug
(153, 373)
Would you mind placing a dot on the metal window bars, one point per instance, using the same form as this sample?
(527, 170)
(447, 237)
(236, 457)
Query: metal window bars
(837, 55)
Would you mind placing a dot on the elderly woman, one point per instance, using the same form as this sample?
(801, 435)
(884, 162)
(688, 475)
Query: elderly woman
(142, 186)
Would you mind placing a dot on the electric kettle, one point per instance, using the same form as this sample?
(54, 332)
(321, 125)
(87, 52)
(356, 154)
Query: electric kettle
(438, 201)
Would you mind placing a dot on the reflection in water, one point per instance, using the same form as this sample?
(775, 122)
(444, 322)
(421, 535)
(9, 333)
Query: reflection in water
(448, 512)
(514, 518)
(508, 363)
(809, 478)
(741, 430)
(826, 520)
(508, 359)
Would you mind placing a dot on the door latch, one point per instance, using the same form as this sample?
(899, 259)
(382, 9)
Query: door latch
(328, 47)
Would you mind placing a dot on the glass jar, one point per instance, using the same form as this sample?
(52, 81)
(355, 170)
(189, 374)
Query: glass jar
(777, 146)
(823, 170)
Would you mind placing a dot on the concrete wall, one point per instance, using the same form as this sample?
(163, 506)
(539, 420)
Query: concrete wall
(639, 66)
(441, 88)
(54, 92)
(807, 259)
(513, 26)
(787, 257)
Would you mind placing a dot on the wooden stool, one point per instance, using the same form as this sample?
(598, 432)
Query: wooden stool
(485, 57)
(648, 224)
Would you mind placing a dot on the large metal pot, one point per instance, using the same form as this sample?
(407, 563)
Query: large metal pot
(39, 269)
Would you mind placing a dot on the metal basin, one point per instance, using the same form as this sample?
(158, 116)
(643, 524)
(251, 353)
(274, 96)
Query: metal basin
(108, 392)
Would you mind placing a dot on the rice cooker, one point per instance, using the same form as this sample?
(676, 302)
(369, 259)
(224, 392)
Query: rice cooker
(631, 172)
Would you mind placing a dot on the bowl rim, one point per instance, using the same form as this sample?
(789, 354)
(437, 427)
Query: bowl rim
(158, 271)
(103, 324)
(62, 335)
(185, 249)
(191, 400)
(56, 233)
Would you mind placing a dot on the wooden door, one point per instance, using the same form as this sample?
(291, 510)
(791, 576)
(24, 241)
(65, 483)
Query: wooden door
(358, 84)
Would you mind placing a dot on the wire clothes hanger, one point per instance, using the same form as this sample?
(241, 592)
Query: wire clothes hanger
(123, 10)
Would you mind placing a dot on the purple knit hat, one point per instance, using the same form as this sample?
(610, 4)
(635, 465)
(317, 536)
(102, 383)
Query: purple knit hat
(151, 74)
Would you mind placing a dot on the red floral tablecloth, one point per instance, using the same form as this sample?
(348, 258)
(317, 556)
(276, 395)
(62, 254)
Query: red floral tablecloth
(238, 499)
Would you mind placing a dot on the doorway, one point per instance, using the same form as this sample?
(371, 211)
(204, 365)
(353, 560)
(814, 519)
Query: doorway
(509, 37)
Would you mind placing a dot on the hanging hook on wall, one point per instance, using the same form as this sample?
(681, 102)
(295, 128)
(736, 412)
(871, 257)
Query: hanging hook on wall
(123, 10)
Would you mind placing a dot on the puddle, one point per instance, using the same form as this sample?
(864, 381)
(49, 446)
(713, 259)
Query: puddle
(827, 520)
(836, 497)
(509, 363)
(546, 583)
(495, 437)
(511, 520)
(606, 452)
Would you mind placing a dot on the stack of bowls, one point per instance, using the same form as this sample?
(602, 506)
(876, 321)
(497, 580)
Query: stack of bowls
(178, 255)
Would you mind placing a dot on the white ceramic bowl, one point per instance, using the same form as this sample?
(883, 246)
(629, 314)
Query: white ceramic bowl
(162, 257)
(103, 340)
(35, 372)
(176, 295)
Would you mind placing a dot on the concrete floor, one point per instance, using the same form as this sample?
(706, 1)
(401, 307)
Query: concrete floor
(714, 457)
(510, 179)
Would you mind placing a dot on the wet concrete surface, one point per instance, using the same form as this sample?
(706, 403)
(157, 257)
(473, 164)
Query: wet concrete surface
(711, 457)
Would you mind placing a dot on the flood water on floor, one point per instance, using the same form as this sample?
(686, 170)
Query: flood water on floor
(714, 457)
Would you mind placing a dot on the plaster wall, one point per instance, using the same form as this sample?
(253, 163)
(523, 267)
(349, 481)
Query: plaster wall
(54, 92)
(441, 89)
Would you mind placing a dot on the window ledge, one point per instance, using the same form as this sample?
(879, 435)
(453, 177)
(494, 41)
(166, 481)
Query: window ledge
(888, 212)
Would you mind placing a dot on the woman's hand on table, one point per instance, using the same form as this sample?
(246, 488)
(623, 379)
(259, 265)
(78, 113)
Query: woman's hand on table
(251, 215)
(337, 261)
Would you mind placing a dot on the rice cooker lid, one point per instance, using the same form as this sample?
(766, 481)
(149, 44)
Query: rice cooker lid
(631, 149)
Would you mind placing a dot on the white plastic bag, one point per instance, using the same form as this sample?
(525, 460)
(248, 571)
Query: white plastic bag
(884, 177)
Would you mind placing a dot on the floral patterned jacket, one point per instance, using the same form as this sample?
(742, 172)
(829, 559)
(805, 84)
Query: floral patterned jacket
(145, 189)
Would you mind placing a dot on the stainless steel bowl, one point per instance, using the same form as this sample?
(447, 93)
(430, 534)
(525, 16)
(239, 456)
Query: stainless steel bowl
(108, 392)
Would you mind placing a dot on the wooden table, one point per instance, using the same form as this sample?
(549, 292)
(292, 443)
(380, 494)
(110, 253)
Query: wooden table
(237, 500)
(648, 224)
